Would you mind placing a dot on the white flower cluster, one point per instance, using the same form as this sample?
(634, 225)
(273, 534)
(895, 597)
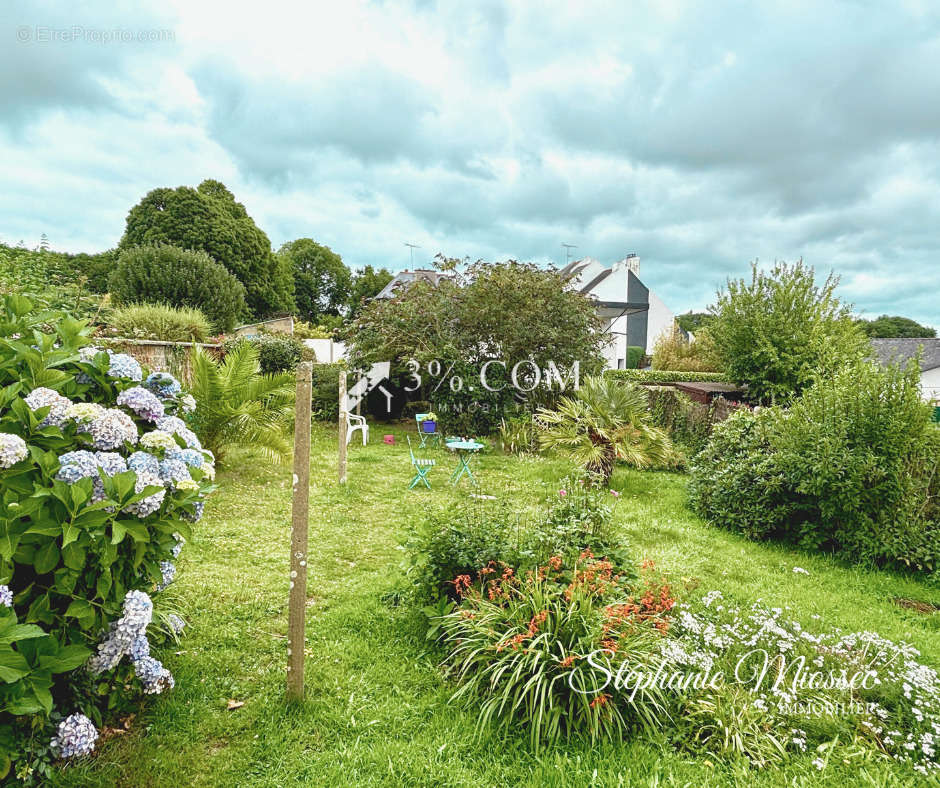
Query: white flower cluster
(176, 426)
(47, 398)
(804, 667)
(151, 503)
(12, 450)
(6, 596)
(112, 429)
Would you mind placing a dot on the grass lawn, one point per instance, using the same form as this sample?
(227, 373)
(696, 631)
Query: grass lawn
(377, 711)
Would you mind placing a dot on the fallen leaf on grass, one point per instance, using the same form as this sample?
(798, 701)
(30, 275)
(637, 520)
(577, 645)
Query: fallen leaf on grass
(235, 704)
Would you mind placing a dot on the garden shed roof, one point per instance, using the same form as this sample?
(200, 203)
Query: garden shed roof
(903, 350)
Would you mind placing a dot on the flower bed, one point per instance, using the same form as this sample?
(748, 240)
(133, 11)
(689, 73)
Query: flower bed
(101, 479)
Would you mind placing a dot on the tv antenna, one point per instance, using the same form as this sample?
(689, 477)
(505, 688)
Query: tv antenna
(412, 248)
(568, 248)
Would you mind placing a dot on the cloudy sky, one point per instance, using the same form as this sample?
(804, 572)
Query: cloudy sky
(698, 135)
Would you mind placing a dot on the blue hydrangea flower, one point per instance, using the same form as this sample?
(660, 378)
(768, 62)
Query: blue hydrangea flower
(124, 366)
(143, 402)
(142, 461)
(47, 398)
(163, 384)
(75, 465)
(110, 462)
(12, 450)
(151, 503)
(178, 547)
(174, 471)
(153, 675)
(75, 736)
(176, 426)
(140, 648)
(168, 572)
(196, 515)
(192, 458)
(176, 623)
(122, 634)
(112, 429)
(6, 596)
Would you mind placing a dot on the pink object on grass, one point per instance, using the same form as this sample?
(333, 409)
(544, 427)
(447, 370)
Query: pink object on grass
(389, 438)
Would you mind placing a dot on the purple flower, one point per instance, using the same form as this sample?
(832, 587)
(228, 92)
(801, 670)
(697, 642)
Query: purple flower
(75, 736)
(144, 403)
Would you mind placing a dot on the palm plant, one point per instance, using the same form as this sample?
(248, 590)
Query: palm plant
(605, 421)
(236, 405)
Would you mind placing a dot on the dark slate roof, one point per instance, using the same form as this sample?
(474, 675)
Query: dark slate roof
(406, 278)
(904, 350)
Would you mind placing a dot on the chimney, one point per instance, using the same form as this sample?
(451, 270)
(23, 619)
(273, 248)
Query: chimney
(632, 262)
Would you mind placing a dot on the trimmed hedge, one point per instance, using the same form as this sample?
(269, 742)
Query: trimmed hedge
(178, 277)
(665, 376)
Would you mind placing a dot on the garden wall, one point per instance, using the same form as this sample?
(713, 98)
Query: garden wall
(172, 357)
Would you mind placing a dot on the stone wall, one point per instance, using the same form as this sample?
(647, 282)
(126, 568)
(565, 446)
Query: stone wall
(172, 357)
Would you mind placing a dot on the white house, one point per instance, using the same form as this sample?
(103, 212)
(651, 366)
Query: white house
(635, 316)
(903, 350)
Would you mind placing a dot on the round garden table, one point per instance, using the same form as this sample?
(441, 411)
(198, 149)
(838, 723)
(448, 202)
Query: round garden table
(465, 450)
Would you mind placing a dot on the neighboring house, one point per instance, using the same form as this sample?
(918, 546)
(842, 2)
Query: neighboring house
(407, 278)
(634, 315)
(903, 350)
(276, 325)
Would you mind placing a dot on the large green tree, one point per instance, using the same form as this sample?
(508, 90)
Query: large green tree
(209, 219)
(780, 332)
(892, 326)
(321, 279)
(507, 313)
(367, 283)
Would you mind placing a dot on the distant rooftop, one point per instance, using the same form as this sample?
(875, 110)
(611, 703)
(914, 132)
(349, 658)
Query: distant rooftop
(903, 350)
(406, 278)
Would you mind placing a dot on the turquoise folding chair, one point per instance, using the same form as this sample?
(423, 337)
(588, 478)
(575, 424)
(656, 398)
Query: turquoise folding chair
(421, 466)
(426, 437)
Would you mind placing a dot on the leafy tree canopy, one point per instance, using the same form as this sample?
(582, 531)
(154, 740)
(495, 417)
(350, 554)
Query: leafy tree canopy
(367, 283)
(693, 321)
(321, 279)
(780, 332)
(208, 219)
(895, 326)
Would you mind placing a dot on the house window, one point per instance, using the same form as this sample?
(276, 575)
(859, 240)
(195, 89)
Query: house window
(621, 363)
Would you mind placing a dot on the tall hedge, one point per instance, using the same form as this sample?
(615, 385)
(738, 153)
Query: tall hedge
(209, 219)
(179, 277)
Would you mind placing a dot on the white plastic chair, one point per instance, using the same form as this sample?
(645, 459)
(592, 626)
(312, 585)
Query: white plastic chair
(353, 423)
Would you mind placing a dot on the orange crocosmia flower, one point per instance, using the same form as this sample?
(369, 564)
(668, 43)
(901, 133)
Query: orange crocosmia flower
(600, 700)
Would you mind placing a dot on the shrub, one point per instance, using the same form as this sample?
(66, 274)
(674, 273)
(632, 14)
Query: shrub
(689, 424)
(665, 376)
(276, 352)
(851, 467)
(574, 517)
(100, 483)
(604, 422)
(237, 405)
(780, 332)
(325, 393)
(167, 274)
(518, 646)
(635, 356)
(161, 322)
(673, 351)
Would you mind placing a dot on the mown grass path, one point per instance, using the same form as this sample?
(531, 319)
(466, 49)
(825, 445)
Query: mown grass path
(377, 710)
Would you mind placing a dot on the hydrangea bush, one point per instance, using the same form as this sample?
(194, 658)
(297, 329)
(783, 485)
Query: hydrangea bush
(100, 480)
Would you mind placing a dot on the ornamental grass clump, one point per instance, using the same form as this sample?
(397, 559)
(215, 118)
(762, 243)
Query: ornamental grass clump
(539, 650)
(95, 506)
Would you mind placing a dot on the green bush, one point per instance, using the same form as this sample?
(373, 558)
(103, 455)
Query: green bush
(851, 467)
(94, 502)
(688, 423)
(635, 356)
(167, 274)
(518, 434)
(325, 395)
(276, 352)
(665, 376)
(161, 322)
(574, 517)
